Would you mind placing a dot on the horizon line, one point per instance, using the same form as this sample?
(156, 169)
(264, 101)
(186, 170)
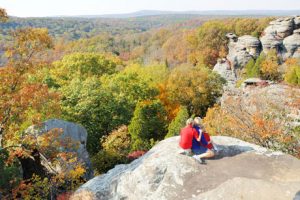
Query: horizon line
(170, 12)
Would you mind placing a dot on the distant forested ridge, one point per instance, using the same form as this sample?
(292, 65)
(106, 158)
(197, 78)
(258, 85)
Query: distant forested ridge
(171, 39)
(72, 28)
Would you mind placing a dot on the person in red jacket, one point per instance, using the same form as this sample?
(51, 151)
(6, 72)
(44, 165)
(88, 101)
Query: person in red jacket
(186, 137)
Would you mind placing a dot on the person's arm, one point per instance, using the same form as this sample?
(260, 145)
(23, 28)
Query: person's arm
(208, 139)
(198, 135)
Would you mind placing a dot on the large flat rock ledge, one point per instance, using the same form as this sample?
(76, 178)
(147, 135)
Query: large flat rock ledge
(240, 171)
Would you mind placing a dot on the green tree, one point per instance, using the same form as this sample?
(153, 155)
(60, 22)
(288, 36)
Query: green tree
(118, 141)
(148, 124)
(105, 160)
(249, 68)
(115, 148)
(82, 65)
(197, 88)
(177, 123)
(269, 67)
(77, 78)
(292, 75)
(127, 89)
(86, 103)
(10, 175)
(211, 38)
(152, 74)
(256, 69)
(101, 103)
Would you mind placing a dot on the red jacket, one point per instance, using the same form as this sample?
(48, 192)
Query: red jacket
(186, 137)
(208, 143)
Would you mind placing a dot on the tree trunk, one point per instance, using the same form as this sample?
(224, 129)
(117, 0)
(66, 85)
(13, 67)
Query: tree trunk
(32, 165)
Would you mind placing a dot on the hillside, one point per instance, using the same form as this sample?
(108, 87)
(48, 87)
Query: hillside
(98, 93)
(83, 26)
(72, 28)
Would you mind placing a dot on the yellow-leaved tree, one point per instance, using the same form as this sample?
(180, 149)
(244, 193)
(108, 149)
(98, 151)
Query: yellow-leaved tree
(24, 101)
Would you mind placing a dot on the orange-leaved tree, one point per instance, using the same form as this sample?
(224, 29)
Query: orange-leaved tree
(24, 101)
(197, 88)
(269, 127)
(3, 15)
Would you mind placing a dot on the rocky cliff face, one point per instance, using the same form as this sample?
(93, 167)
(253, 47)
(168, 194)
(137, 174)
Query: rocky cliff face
(242, 49)
(282, 34)
(240, 171)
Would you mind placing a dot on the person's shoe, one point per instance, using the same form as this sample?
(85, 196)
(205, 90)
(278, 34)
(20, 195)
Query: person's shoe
(200, 160)
(216, 148)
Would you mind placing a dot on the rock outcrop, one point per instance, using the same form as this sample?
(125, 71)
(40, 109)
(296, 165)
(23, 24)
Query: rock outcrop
(72, 132)
(242, 49)
(275, 33)
(240, 171)
(273, 99)
(224, 69)
(282, 34)
(292, 45)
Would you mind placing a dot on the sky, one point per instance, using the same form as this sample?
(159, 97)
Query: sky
(40, 8)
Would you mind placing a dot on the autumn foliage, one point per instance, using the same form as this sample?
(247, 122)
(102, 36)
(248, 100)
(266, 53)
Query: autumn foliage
(269, 130)
(129, 89)
(26, 101)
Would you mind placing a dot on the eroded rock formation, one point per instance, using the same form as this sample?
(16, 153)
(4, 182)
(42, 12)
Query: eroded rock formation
(292, 45)
(282, 34)
(242, 49)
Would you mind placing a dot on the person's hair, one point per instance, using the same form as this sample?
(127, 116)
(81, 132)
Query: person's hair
(190, 121)
(198, 120)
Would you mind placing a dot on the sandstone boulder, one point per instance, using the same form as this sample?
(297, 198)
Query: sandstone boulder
(252, 44)
(271, 41)
(72, 131)
(292, 45)
(224, 69)
(278, 30)
(297, 22)
(240, 171)
(242, 50)
(281, 27)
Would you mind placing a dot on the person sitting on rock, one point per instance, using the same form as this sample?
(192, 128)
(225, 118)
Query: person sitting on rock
(187, 134)
(204, 148)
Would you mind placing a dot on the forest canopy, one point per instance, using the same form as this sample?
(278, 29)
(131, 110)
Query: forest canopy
(130, 83)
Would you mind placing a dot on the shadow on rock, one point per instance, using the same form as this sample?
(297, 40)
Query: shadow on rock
(297, 196)
(231, 150)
